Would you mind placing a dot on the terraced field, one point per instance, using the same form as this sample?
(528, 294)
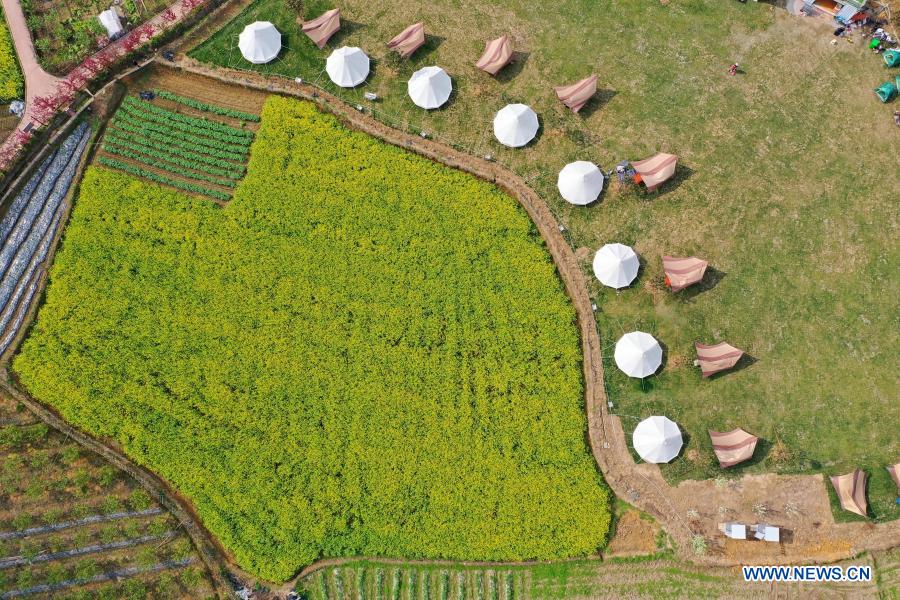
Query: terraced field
(181, 143)
(72, 526)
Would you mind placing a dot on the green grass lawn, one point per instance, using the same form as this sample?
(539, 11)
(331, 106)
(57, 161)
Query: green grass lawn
(785, 182)
(364, 353)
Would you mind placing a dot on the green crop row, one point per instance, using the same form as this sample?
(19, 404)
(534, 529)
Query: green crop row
(151, 176)
(176, 123)
(183, 143)
(123, 121)
(175, 168)
(184, 158)
(211, 108)
(133, 103)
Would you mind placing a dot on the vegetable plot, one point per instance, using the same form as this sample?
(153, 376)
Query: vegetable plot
(182, 151)
(364, 353)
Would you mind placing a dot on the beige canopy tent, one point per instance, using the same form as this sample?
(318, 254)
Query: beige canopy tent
(575, 96)
(409, 40)
(497, 54)
(732, 447)
(894, 470)
(718, 357)
(851, 491)
(656, 169)
(323, 27)
(682, 272)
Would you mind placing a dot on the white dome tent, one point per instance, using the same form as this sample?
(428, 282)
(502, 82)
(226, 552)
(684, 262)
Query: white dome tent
(580, 182)
(347, 67)
(657, 439)
(638, 354)
(616, 265)
(259, 42)
(429, 87)
(515, 125)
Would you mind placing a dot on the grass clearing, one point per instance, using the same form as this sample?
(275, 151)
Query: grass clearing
(789, 204)
(365, 352)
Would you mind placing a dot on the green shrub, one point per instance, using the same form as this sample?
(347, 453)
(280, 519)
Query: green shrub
(111, 505)
(107, 475)
(70, 454)
(139, 500)
(366, 353)
(52, 515)
(190, 578)
(21, 521)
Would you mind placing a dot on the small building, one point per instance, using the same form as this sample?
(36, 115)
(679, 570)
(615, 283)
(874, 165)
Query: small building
(110, 20)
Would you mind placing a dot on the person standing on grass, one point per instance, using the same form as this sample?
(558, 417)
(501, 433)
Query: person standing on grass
(733, 69)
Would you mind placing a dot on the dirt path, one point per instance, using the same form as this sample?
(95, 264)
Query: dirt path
(691, 509)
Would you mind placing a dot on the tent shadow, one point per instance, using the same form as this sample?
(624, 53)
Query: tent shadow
(685, 442)
(453, 93)
(665, 357)
(745, 361)
(760, 454)
(711, 279)
(423, 52)
(682, 174)
(600, 99)
(347, 29)
(515, 66)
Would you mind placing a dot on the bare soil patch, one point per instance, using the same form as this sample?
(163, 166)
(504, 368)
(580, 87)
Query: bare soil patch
(635, 536)
(201, 89)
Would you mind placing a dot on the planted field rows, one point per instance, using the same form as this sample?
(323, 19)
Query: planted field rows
(72, 526)
(193, 152)
(28, 228)
(376, 582)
